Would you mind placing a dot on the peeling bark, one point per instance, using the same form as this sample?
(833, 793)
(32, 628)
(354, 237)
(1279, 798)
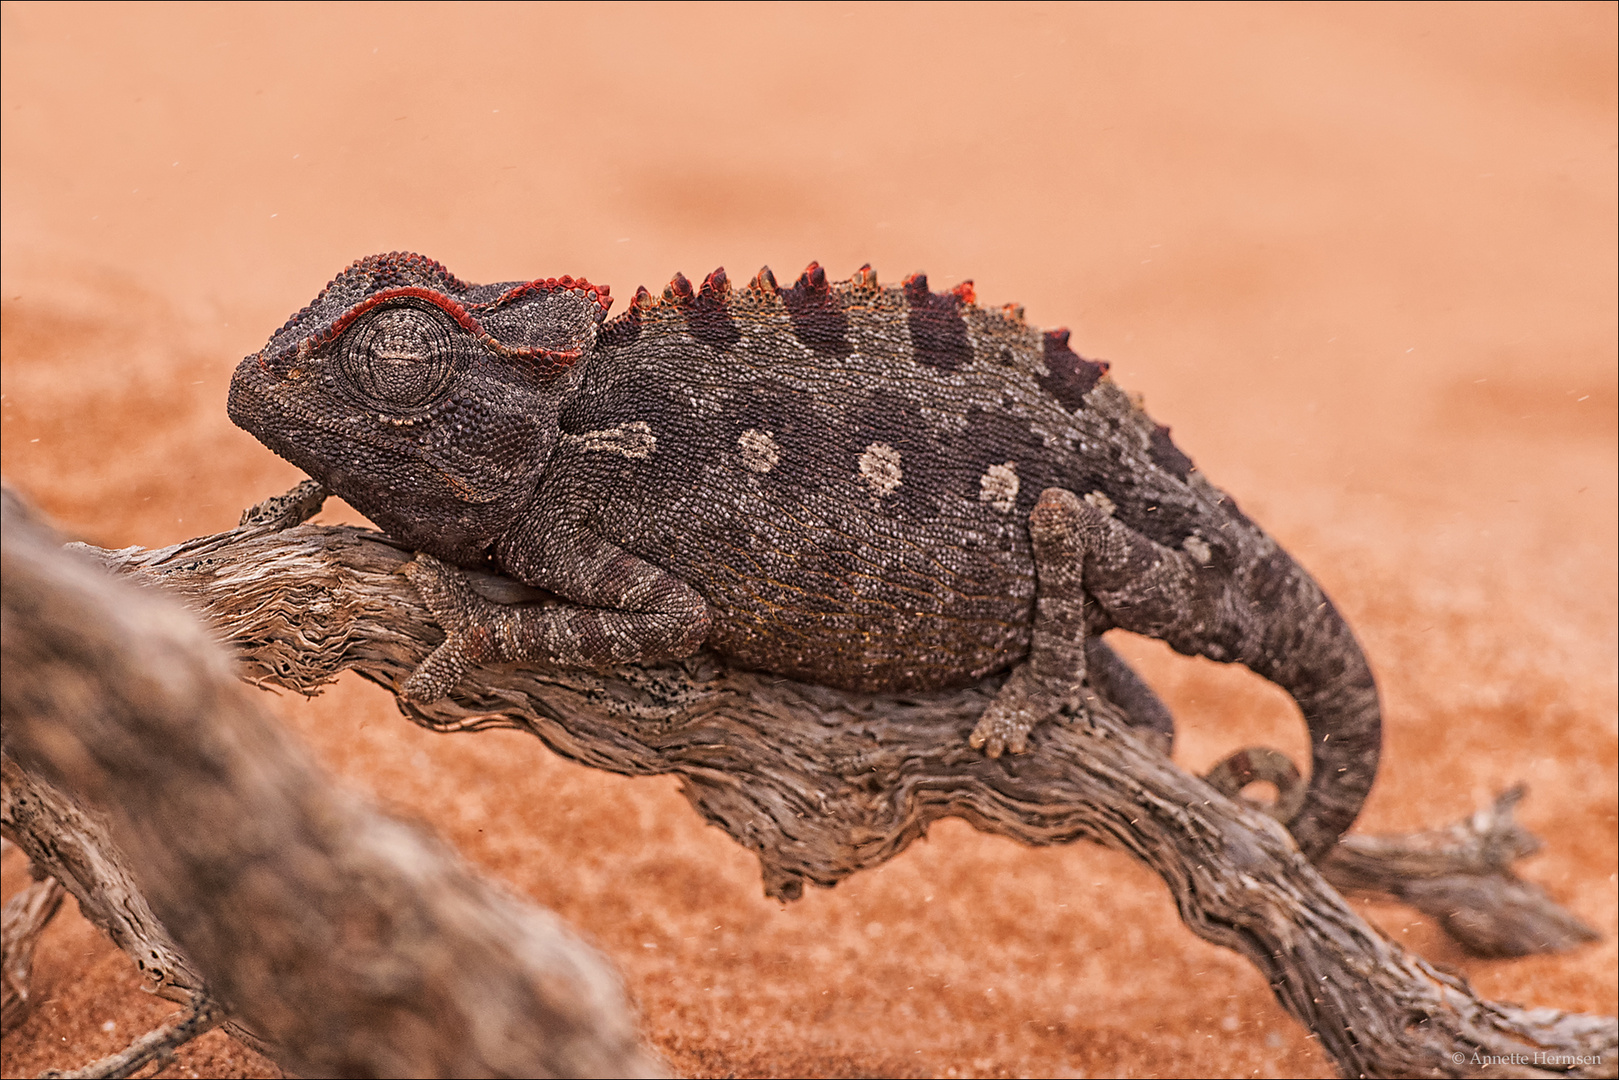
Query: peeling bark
(821, 783)
(337, 939)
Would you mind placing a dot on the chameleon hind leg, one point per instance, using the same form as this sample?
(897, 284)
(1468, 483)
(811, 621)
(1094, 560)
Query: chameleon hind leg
(1117, 683)
(1050, 682)
(1144, 587)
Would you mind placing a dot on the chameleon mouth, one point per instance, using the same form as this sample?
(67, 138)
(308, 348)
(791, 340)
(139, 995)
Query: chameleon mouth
(255, 401)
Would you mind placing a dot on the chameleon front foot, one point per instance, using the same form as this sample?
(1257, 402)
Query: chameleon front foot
(467, 642)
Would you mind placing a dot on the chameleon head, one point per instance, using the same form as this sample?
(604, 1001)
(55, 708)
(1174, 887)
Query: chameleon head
(427, 403)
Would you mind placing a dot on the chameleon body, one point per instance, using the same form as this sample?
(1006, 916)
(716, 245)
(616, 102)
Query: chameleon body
(876, 488)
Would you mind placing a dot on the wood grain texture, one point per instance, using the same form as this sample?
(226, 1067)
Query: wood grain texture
(821, 783)
(146, 778)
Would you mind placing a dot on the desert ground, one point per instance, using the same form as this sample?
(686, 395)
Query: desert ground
(1361, 259)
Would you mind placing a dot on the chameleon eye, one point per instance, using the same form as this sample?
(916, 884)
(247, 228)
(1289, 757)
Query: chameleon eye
(400, 358)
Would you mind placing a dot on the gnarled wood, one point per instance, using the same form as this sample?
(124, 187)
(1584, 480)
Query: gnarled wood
(350, 943)
(821, 783)
(21, 922)
(1462, 876)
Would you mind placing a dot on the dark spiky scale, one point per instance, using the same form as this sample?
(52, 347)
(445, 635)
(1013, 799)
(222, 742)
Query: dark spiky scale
(1166, 455)
(877, 489)
(709, 320)
(938, 333)
(818, 318)
(1068, 376)
(678, 291)
(716, 286)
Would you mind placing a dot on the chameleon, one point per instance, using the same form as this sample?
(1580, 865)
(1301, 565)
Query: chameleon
(877, 488)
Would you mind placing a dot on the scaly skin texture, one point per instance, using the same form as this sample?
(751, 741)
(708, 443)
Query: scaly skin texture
(873, 488)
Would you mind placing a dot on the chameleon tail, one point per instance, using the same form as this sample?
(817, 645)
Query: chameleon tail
(1303, 645)
(1266, 613)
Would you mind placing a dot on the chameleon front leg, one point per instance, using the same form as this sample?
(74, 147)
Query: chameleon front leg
(630, 613)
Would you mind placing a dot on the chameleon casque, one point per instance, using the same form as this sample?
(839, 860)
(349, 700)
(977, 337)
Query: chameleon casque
(874, 488)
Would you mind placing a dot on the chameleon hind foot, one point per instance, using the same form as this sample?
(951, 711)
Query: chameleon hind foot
(1048, 683)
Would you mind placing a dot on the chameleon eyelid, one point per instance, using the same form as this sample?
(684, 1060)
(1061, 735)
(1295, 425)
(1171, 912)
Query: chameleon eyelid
(466, 320)
(462, 317)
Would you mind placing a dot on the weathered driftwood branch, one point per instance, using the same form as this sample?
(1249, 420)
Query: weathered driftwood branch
(820, 783)
(1462, 876)
(156, 1046)
(63, 838)
(74, 844)
(25, 917)
(348, 942)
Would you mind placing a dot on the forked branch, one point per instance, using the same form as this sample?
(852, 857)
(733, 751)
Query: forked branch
(141, 774)
(821, 783)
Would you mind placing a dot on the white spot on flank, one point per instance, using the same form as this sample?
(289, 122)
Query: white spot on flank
(632, 440)
(1197, 549)
(998, 486)
(759, 451)
(1100, 500)
(879, 468)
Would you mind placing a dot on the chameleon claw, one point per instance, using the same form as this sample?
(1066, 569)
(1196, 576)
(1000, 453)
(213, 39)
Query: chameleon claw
(982, 735)
(437, 675)
(1005, 727)
(998, 736)
(1019, 742)
(1024, 702)
(446, 594)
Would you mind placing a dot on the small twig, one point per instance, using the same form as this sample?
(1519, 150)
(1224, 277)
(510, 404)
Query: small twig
(1462, 876)
(199, 1018)
(21, 923)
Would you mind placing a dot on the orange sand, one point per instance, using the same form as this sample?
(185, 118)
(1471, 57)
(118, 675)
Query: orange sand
(1362, 258)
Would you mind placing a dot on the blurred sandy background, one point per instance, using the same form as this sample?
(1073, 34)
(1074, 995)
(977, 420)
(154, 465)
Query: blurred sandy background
(1361, 258)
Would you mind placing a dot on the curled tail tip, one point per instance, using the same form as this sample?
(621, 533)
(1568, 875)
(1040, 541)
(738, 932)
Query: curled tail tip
(1261, 764)
(1303, 644)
